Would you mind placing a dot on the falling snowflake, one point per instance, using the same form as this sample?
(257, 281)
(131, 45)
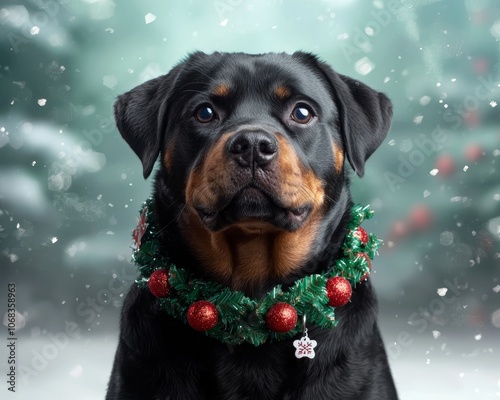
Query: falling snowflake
(495, 318)
(76, 371)
(364, 66)
(149, 17)
(109, 81)
(424, 100)
(458, 315)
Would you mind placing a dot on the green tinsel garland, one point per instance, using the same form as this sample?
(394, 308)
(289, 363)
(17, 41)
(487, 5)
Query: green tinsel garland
(240, 317)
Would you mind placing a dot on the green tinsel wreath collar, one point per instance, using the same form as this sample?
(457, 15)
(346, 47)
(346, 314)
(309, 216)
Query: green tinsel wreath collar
(234, 318)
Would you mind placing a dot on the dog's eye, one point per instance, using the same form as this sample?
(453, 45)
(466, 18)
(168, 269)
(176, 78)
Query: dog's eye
(302, 114)
(204, 114)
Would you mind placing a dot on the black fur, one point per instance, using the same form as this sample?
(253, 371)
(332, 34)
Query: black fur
(162, 358)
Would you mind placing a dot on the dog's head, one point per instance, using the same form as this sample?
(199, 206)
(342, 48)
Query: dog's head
(253, 145)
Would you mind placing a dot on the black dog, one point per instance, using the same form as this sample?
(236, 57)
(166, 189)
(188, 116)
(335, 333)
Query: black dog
(251, 193)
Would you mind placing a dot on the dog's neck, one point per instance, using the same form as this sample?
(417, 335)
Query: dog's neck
(245, 257)
(249, 260)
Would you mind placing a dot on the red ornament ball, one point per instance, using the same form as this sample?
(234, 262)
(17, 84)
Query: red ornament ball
(281, 317)
(481, 66)
(472, 119)
(158, 283)
(369, 262)
(399, 229)
(473, 153)
(446, 165)
(202, 315)
(364, 277)
(420, 218)
(366, 257)
(339, 291)
(361, 234)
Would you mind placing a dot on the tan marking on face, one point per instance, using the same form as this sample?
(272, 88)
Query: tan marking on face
(211, 178)
(221, 90)
(300, 185)
(246, 254)
(338, 157)
(168, 156)
(282, 92)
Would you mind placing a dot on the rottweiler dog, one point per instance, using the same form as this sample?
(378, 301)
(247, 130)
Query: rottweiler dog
(252, 191)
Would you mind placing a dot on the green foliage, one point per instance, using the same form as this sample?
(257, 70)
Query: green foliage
(242, 318)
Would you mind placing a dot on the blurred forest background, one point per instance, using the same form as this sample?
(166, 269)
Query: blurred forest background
(70, 187)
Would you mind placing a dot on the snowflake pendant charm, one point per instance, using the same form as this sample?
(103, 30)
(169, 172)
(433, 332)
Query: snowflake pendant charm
(304, 347)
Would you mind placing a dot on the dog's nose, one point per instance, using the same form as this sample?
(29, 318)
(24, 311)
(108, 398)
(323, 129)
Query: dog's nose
(248, 147)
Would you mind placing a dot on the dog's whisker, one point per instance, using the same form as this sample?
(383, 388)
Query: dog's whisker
(332, 200)
(181, 212)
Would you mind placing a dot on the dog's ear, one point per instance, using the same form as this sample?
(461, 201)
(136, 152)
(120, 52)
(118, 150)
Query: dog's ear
(365, 116)
(140, 117)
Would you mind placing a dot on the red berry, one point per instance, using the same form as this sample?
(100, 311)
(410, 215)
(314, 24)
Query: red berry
(361, 234)
(281, 317)
(158, 283)
(421, 218)
(202, 315)
(473, 153)
(446, 165)
(338, 290)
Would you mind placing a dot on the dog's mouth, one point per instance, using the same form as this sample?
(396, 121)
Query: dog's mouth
(267, 194)
(252, 206)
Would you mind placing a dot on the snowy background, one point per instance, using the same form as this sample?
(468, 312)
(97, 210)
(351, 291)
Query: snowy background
(70, 187)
